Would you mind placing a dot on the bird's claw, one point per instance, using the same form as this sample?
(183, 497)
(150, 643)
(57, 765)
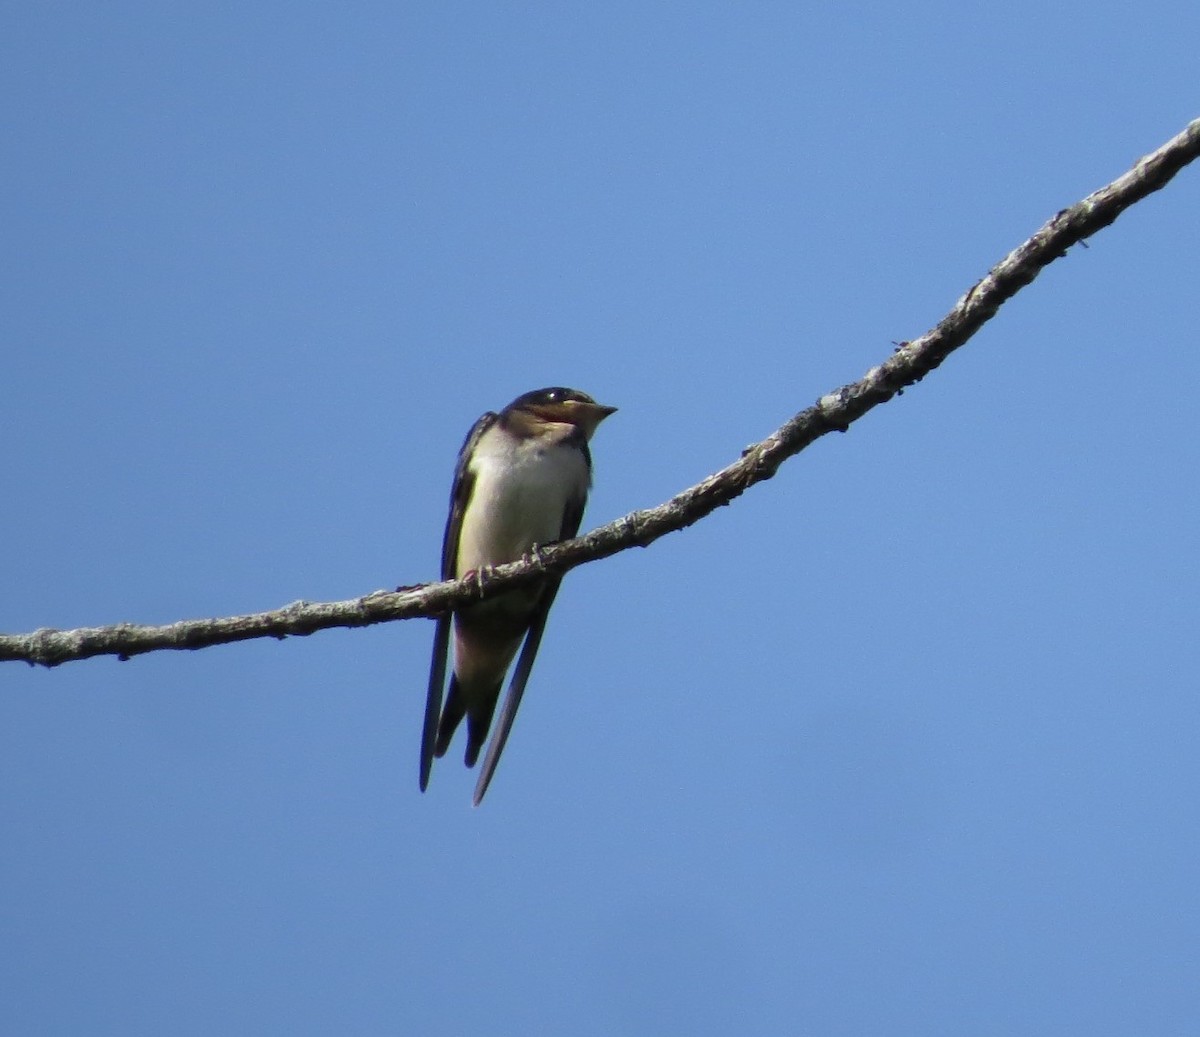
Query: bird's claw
(535, 557)
(477, 576)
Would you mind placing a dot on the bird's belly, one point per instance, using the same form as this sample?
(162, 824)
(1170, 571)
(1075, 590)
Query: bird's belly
(515, 506)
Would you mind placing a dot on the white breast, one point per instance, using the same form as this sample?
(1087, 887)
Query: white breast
(521, 490)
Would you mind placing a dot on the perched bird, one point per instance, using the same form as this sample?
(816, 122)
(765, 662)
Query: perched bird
(521, 482)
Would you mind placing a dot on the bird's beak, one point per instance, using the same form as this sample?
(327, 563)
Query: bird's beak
(588, 415)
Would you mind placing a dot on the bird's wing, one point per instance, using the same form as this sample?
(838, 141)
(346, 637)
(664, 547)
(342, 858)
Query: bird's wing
(460, 495)
(572, 517)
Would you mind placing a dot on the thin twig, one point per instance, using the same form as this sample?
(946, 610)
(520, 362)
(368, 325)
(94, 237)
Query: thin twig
(834, 412)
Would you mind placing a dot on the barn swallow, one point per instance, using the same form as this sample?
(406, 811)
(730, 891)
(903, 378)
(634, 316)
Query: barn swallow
(521, 483)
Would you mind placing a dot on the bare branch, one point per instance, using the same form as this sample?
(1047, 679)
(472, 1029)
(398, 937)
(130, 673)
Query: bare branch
(832, 413)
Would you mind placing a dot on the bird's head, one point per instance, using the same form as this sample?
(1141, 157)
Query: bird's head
(559, 406)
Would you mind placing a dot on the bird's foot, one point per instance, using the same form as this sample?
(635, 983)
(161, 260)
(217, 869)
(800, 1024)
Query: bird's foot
(478, 576)
(535, 557)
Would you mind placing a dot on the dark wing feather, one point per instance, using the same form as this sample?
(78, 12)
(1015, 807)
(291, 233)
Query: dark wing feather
(433, 697)
(460, 494)
(572, 517)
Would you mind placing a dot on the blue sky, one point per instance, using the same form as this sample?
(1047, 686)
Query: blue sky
(902, 742)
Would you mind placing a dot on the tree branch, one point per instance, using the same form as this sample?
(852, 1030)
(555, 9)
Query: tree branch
(831, 413)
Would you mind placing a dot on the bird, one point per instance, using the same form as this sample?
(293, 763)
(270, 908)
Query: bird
(521, 483)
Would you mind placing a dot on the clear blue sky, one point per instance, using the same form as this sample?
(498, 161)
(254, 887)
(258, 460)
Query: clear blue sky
(903, 742)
